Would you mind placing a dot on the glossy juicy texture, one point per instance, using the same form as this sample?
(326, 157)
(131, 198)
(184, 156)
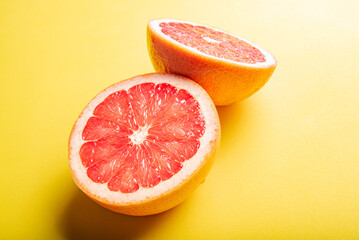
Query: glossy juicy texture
(140, 137)
(211, 42)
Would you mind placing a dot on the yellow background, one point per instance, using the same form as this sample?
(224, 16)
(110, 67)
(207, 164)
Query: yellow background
(288, 166)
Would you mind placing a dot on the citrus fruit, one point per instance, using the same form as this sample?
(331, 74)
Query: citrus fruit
(228, 67)
(144, 144)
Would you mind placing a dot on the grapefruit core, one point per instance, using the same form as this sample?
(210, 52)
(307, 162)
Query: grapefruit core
(143, 145)
(228, 67)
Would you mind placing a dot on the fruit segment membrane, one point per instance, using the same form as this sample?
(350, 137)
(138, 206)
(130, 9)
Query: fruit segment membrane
(212, 42)
(140, 137)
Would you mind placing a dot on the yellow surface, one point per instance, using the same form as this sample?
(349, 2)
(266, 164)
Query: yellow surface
(288, 167)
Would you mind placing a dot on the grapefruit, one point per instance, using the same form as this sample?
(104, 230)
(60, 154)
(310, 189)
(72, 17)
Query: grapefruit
(143, 145)
(228, 67)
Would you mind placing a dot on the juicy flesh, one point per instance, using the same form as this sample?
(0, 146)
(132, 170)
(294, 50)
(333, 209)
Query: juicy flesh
(140, 137)
(211, 42)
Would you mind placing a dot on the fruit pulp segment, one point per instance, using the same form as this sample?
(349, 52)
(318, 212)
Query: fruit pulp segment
(140, 137)
(212, 42)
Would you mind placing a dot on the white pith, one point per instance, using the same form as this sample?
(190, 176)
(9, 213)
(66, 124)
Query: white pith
(189, 166)
(208, 39)
(140, 135)
(154, 26)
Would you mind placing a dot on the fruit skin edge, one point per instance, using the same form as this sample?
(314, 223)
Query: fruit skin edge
(225, 82)
(167, 200)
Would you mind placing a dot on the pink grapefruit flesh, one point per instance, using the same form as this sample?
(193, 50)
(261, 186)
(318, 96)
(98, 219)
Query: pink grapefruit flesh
(140, 137)
(212, 42)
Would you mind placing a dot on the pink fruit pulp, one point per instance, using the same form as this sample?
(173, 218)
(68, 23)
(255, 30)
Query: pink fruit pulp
(140, 137)
(211, 42)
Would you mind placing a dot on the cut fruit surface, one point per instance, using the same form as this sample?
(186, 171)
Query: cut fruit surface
(228, 67)
(141, 136)
(142, 145)
(211, 42)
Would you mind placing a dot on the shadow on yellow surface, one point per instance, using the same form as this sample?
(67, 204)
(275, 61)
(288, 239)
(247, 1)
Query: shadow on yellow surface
(84, 219)
(231, 118)
(228, 115)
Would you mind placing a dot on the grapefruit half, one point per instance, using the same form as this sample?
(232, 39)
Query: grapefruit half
(143, 145)
(228, 67)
